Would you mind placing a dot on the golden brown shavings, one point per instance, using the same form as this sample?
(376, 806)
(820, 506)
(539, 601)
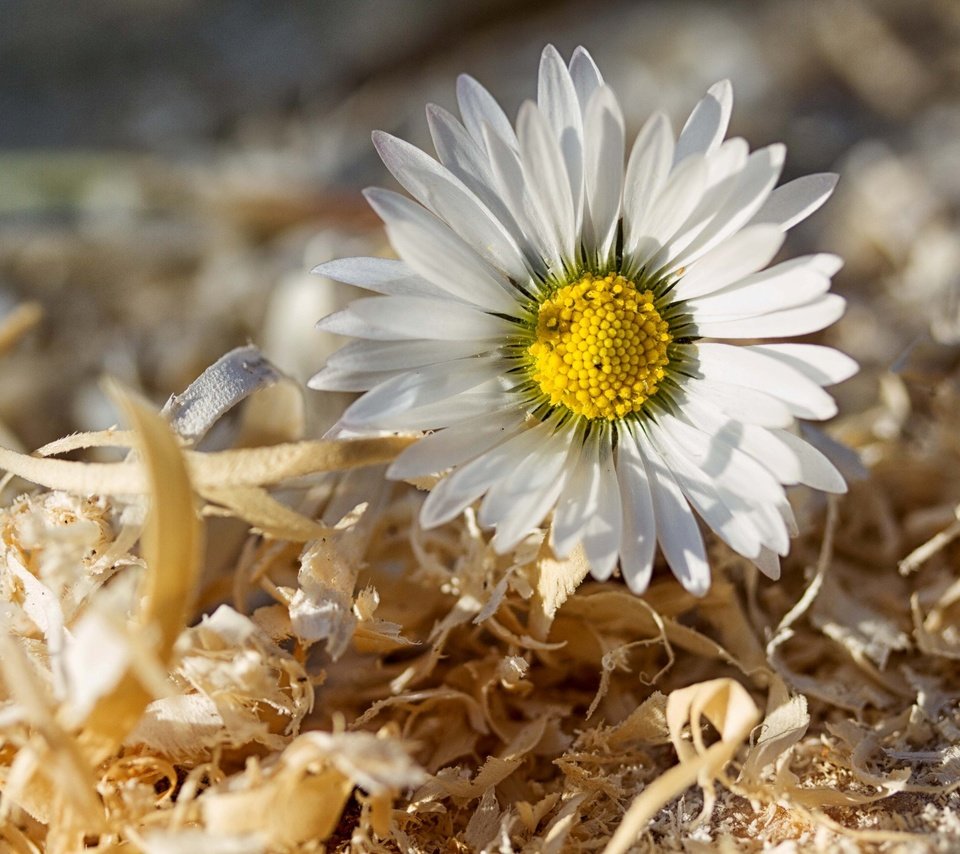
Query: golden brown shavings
(380, 687)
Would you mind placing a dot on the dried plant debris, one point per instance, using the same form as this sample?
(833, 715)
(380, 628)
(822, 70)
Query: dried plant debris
(378, 687)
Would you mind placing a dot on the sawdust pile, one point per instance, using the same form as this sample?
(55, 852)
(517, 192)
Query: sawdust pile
(364, 684)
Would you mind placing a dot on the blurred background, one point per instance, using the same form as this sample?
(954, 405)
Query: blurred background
(170, 170)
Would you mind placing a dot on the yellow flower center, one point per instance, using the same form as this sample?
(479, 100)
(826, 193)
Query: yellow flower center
(601, 347)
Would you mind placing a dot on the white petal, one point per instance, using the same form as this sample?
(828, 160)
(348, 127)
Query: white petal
(456, 149)
(796, 200)
(752, 300)
(450, 263)
(449, 498)
(466, 158)
(416, 388)
(729, 519)
(749, 368)
(776, 524)
(483, 399)
(845, 458)
(534, 472)
(604, 135)
(759, 442)
(518, 503)
(383, 275)
(347, 323)
(647, 171)
(602, 532)
(744, 486)
(443, 193)
(638, 542)
(456, 445)
(579, 499)
(826, 264)
(751, 187)
(460, 489)
(365, 356)
(724, 165)
(770, 515)
(708, 122)
(431, 249)
(740, 255)
(780, 324)
(723, 168)
(547, 180)
(529, 511)
(824, 365)
(747, 405)
(585, 75)
(423, 317)
(677, 531)
(742, 483)
(768, 562)
(788, 518)
(479, 109)
(362, 364)
(679, 198)
(512, 186)
(816, 470)
(794, 282)
(332, 379)
(557, 100)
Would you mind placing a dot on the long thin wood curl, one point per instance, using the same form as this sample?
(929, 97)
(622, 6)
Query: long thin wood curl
(241, 467)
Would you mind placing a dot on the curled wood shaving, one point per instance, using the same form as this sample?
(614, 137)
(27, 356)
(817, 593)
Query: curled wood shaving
(171, 550)
(732, 712)
(215, 470)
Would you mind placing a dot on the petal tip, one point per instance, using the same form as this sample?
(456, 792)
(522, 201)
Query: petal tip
(722, 90)
(778, 152)
(550, 50)
(636, 584)
(466, 83)
(696, 587)
(324, 323)
(316, 381)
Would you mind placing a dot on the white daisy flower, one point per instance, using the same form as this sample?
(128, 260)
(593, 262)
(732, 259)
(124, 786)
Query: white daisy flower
(554, 318)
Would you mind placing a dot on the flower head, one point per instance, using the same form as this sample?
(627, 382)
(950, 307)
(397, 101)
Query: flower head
(551, 317)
